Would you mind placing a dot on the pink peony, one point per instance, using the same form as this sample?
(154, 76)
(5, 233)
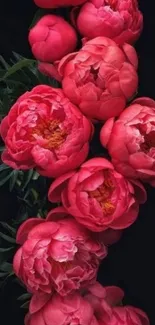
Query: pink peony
(69, 310)
(100, 78)
(61, 256)
(48, 38)
(131, 140)
(127, 315)
(57, 3)
(44, 130)
(106, 303)
(119, 20)
(98, 197)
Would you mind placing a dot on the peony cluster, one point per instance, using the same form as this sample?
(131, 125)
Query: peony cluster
(97, 305)
(51, 130)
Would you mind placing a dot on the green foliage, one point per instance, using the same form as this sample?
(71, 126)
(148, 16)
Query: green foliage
(16, 77)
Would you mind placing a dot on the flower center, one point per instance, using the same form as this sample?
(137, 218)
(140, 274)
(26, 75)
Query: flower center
(111, 3)
(103, 194)
(149, 141)
(50, 131)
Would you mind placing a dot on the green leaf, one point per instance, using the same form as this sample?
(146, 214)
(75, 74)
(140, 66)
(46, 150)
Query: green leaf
(28, 178)
(3, 274)
(25, 305)
(5, 179)
(3, 166)
(7, 238)
(13, 179)
(18, 66)
(4, 250)
(25, 296)
(35, 176)
(4, 63)
(6, 267)
(8, 227)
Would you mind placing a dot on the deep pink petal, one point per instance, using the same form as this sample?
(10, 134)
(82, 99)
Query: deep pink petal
(140, 192)
(37, 302)
(45, 230)
(106, 132)
(56, 188)
(98, 162)
(49, 70)
(17, 261)
(4, 128)
(25, 228)
(114, 295)
(57, 214)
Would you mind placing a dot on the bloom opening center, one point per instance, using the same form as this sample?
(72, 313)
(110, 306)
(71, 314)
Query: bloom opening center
(50, 131)
(149, 141)
(103, 195)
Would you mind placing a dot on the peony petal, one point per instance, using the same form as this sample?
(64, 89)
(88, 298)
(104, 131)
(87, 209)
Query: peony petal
(143, 317)
(140, 192)
(37, 302)
(56, 188)
(110, 236)
(57, 214)
(37, 319)
(127, 219)
(145, 101)
(4, 126)
(97, 290)
(49, 70)
(106, 132)
(114, 295)
(17, 261)
(101, 163)
(25, 228)
(45, 230)
(131, 54)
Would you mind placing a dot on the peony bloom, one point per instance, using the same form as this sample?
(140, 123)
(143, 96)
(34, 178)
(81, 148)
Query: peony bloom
(100, 78)
(57, 3)
(48, 38)
(119, 20)
(107, 310)
(98, 197)
(131, 140)
(44, 130)
(61, 255)
(72, 309)
(127, 315)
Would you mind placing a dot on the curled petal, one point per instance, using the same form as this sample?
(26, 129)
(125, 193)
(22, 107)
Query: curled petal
(56, 214)
(56, 188)
(25, 228)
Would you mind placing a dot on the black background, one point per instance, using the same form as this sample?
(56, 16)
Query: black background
(130, 263)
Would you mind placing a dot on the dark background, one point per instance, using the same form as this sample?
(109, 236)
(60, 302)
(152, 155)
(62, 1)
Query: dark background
(130, 263)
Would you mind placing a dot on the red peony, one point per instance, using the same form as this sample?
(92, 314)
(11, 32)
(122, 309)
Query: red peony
(57, 3)
(107, 310)
(72, 309)
(119, 20)
(61, 255)
(131, 140)
(98, 197)
(100, 78)
(44, 130)
(48, 38)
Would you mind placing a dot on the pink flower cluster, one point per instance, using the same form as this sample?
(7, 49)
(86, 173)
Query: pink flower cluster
(96, 306)
(50, 129)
